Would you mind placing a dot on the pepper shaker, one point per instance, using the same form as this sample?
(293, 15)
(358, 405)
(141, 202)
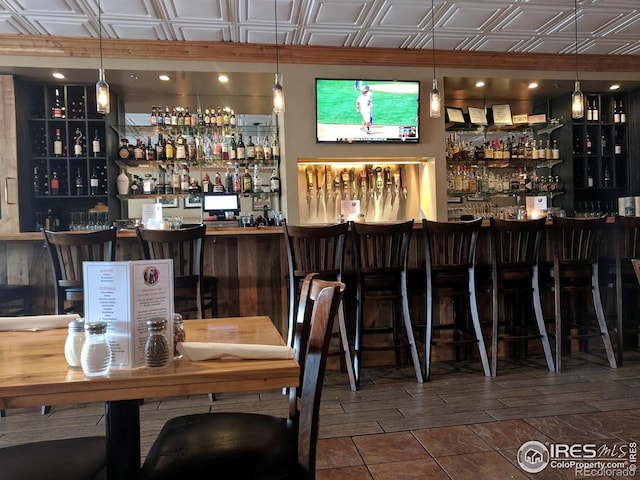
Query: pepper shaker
(157, 352)
(179, 335)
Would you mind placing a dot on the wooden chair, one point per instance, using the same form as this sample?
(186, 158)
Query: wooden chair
(194, 292)
(515, 247)
(15, 300)
(67, 251)
(319, 249)
(247, 445)
(381, 252)
(450, 256)
(70, 459)
(576, 246)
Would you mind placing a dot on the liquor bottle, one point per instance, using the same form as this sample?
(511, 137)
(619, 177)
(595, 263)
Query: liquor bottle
(35, 183)
(138, 150)
(555, 151)
(181, 150)
(217, 183)
(154, 116)
(187, 117)
(122, 182)
(250, 151)
(150, 150)
(199, 116)
(57, 144)
(159, 117)
(274, 181)
(77, 143)
(257, 183)
(588, 144)
(275, 149)
(79, 184)
(225, 117)
(240, 150)
(247, 182)
(232, 119)
(160, 154)
(206, 183)
(135, 185)
(57, 105)
(266, 146)
(123, 151)
(228, 181)
(213, 118)
(185, 179)
(220, 118)
(94, 183)
(192, 149)
(173, 118)
(180, 117)
(147, 184)
(232, 149)
(217, 147)
(95, 144)
(259, 148)
(175, 180)
(207, 117)
(603, 144)
(169, 150)
(237, 181)
(167, 116)
(55, 183)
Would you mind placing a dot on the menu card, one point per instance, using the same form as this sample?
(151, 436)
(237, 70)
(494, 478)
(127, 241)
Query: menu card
(125, 295)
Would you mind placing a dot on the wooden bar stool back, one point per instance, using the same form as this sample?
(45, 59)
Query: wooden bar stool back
(67, 251)
(515, 248)
(450, 255)
(317, 249)
(194, 293)
(381, 252)
(576, 250)
(627, 247)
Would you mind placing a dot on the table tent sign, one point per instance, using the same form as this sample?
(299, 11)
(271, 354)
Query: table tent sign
(125, 295)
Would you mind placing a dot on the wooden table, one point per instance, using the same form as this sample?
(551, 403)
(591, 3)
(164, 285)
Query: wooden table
(33, 372)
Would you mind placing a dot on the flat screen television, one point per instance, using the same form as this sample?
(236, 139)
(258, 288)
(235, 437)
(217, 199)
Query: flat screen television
(367, 111)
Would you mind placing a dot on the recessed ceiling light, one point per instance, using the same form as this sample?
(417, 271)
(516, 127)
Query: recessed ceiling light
(223, 78)
(164, 78)
(615, 86)
(480, 84)
(533, 85)
(58, 75)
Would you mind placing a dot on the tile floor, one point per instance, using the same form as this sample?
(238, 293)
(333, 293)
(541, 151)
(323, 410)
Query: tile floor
(459, 426)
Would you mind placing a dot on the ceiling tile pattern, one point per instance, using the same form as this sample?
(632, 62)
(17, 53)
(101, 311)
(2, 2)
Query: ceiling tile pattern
(538, 26)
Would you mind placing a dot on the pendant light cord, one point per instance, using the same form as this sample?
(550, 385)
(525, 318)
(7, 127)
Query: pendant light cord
(433, 39)
(100, 37)
(575, 22)
(275, 18)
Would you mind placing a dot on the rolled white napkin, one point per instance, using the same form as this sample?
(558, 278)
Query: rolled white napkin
(234, 351)
(36, 322)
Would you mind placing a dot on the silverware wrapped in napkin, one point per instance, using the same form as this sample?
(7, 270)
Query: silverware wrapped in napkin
(36, 322)
(234, 351)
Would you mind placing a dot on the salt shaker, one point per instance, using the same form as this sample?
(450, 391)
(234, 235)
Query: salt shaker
(74, 342)
(179, 335)
(96, 352)
(157, 352)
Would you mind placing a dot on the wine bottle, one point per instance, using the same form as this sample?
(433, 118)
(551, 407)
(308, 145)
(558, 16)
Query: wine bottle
(35, 183)
(589, 177)
(57, 144)
(250, 151)
(274, 181)
(232, 149)
(79, 184)
(55, 183)
(57, 105)
(154, 116)
(259, 148)
(596, 113)
(247, 182)
(240, 150)
(623, 114)
(95, 145)
(77, 143)
(616, 112)
(275, 148)
(94, 184)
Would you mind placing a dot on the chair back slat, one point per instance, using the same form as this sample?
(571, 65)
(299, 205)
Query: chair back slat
(516, 243)
(577, 239)
(381, 247)
(451, 244)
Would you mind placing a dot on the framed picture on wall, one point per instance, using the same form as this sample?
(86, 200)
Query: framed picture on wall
(193, 201)
(168, 202)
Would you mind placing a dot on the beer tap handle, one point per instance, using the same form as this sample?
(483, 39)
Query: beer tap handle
(328, 178)
(309, 175)
(403, 180)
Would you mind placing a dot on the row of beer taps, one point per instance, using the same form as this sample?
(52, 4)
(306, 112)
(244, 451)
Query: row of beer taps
(349, 184)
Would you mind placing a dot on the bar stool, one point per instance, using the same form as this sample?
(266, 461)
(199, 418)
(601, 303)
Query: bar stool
(515, 248)
(381, 252)
(627, 247)
(450, 255)
(317, 249)
(67, 251)
(194, 292)
(576, 246)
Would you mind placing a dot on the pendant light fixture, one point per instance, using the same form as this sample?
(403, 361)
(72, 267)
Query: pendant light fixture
(434, 96)
(103, 103)
(577, 98)
(278, 92)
